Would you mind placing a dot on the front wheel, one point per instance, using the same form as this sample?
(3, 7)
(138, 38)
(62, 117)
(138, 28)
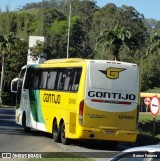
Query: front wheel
(26, 129)
(56, 132)
(64, 140)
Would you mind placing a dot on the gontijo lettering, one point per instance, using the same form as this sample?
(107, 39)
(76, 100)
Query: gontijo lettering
(111, 95)
(52, 98)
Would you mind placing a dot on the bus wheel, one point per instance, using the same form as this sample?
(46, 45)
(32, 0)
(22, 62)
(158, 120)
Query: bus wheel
(26, 129)
(56, 132)
(64, 140)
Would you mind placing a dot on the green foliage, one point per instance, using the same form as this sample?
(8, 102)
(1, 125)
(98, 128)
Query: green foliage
(115, 39)
(150, 72)
(153, 42)
(78, 37)
(154, 90)
(14, 60)
(14, 53)
(145, 130)
(105, 33)
(59, 27)
(59, 158)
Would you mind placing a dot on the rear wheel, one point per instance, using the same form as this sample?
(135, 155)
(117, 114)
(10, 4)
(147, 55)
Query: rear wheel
(64, 140)
(56, 132)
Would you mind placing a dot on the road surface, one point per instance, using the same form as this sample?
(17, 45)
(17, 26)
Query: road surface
(14, 139)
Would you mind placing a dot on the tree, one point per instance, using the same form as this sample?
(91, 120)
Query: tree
(153, 42)
(150, 72)
(127, 17)
(91, 28)
(5, 46)
(58, 33)
(49, 15)
(114, 39)
(41, 49)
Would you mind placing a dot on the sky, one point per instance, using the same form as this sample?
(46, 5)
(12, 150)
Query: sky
(149, 8)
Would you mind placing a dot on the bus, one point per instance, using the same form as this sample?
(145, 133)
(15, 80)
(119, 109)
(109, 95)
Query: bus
(79, 99)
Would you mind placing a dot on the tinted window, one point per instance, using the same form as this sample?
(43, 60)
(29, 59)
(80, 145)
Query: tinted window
(32, 78)
(43, 79)
(51, 79)
(29, 79)
(20, 81)
(76, 79)
(36, 79)
(66, 79)
(60, 83)
(69, 79)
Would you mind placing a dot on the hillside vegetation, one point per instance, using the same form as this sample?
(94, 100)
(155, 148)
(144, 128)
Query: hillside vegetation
(110, 32)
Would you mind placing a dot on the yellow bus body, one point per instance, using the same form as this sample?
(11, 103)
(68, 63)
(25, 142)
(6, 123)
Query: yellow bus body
(107, 114)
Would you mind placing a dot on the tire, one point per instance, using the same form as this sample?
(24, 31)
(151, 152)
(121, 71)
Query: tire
(56, 132)
(64, 140)
(26, 129)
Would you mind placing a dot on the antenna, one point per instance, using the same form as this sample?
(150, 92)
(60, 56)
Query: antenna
(69, 24)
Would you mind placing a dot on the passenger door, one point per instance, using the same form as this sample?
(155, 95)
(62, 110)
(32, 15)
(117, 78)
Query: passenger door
(19, 89)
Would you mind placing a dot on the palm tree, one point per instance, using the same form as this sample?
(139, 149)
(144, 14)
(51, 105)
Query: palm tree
(114, 39)
(153, 42)
(5, 46)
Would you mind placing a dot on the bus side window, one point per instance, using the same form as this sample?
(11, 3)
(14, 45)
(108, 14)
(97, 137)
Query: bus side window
(36, 79)
(68, 79)
(29, 79)
(51, 79)
(66, 83)
(60, 81)
(43, 79)
(20, 81)
(76, 79)
(63, 80)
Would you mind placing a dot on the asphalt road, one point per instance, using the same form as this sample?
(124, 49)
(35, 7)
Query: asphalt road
(14, 139)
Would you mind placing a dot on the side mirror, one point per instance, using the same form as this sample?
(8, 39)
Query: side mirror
(14, 84)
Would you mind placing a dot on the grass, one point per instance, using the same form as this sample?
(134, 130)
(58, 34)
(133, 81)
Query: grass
(145, 130)
(57, 159)
(154, 90)
(57, 156)
(61, 157)
(147, 117)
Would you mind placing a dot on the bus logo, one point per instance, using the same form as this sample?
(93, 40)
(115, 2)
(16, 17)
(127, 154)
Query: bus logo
(112, 73)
